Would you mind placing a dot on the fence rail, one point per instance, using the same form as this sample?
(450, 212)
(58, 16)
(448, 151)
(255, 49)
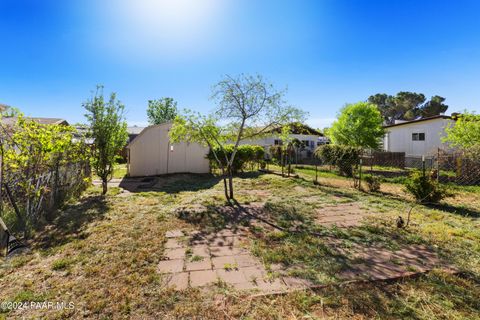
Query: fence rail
(446, 167)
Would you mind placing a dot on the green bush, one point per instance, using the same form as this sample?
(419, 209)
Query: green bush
(424, 188)
(344, 157)
(246, 156)
(373, 183)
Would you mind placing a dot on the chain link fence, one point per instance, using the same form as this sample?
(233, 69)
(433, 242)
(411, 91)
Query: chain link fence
(446, 167)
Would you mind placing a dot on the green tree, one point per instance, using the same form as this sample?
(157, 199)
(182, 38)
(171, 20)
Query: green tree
(464, 133)
(407, 106)
(247, 108)
(161, 110)
(32, 154)
(8, 111)
(358, 125)
(108, 129)
(433, 107)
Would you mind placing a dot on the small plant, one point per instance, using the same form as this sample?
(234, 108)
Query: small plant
(196, 258)
(424, 188)
(61, 264)
(373, 183)
(230, 266)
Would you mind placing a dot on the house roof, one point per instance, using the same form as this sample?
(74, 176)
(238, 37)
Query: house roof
(134, 130)
(142, 132)
(46, 121)
(418, 120)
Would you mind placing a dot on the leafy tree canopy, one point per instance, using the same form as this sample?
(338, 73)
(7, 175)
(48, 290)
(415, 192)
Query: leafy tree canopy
(108, 129)
(358, 125)
(407, 106)
(161, 110)
(464, 133)
(247, 107)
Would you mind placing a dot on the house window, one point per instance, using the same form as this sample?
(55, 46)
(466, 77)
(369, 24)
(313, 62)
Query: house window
(418, 136)
(305, 143)
(277, 142)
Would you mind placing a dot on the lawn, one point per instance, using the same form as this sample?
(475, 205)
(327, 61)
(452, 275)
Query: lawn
(102, 253)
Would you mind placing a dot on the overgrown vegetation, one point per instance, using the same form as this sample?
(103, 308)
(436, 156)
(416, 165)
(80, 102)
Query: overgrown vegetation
(43, 166)
(424, 188)
(248, 157)
(345, 157)
(114, 243)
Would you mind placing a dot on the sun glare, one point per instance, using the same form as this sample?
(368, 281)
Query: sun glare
(162, 26)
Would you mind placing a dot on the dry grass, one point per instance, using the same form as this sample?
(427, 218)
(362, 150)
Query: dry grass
(101, 254)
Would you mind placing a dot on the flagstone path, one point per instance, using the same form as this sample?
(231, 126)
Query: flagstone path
(199, 260)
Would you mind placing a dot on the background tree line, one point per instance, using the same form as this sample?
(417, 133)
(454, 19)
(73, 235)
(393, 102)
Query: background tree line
(407, 106)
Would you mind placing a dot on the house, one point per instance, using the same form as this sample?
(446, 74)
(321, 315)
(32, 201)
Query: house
(309, 138)
(9, 121)
(151, 154)
(417, 137)
(133, 132)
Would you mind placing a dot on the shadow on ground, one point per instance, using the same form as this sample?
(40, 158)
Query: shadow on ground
(69, 224)
(460, 210)
(178, 182)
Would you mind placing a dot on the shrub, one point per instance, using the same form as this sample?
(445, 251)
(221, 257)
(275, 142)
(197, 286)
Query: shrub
(344, 157)
(373, 183)
(247, 155)
(424, 188)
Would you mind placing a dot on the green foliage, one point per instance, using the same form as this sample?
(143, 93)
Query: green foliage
(407, 106)
(465, 133)
(161, 110)
(33, 156)
(424, 188)
(373, 183)
(108, 129)
(345, 157)
(358, 125)
(9, 111)
(248, 108)
(247, 156)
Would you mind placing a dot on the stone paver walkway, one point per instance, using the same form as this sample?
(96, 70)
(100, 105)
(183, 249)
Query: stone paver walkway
(199, 260)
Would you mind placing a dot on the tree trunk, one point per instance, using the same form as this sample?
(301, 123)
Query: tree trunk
(104, 186)
(230, 183)
(225, 187)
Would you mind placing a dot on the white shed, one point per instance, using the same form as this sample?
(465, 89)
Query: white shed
(417, 137)
(151, 154)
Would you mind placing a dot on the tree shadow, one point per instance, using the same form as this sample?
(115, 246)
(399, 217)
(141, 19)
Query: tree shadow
(459, 210)
(178, 182)
(70, 222)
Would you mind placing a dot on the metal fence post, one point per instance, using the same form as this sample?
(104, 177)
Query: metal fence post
(360, 174)
(423, 165)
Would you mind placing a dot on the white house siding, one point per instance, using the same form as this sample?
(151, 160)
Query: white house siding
(399, 138)
(266, 142)
(151, 153)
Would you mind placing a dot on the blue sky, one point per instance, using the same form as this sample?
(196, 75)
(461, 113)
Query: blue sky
(327, 52)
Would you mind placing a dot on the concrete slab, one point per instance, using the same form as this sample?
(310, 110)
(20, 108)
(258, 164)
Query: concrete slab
(177, 253)
(170, 266)
(173, 243)
(226, 251)
(231, 276)
(247, 260)
(225, 261)
(178, 281)
(204, 264)
(202, 278)
(174, 234)
(200, 250)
